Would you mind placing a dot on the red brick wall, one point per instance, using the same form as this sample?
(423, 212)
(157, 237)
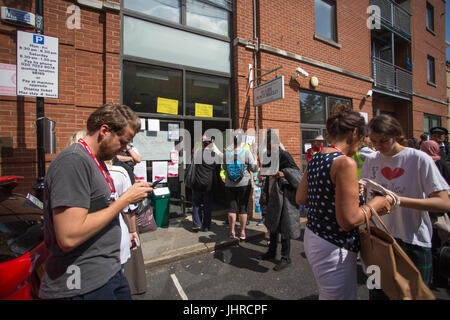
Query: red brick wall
(425, 43)
(289, 25)
(89, 76)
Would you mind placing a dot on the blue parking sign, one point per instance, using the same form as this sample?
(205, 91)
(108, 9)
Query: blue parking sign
(39, 39)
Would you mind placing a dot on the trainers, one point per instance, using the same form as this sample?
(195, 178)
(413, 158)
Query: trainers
(260, 222)
(242, 237)
(232, 235)
(206, 229)
(196, 229)
(283, 264)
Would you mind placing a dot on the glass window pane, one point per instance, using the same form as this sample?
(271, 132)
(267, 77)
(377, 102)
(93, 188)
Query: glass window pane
(426, 124)
(430, 69)
(312, 108)
(208, 90)
(143, 85)
(434, 122)
(325, 19)
(206, 17)
(430, 16)
(174, 46)
(333, 101)
(162, 9)
(224, 3)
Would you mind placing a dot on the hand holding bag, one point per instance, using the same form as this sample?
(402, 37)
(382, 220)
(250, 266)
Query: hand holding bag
(400, 279)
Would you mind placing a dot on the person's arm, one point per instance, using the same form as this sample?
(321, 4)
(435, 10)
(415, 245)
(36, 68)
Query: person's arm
(437, 202)
(132, 228)
(136, 157)
(349, 214)
(301, 197)
(74, 225)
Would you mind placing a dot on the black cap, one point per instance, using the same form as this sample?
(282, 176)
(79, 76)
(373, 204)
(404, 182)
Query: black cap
(440, 130)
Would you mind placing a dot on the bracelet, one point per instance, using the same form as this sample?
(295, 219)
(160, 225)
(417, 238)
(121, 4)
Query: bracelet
(132, 231)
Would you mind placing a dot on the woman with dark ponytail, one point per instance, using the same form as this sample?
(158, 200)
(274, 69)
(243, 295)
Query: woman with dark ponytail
(330, 189)
(413, 176)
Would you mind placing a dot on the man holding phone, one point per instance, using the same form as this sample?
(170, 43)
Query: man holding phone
(82, 231)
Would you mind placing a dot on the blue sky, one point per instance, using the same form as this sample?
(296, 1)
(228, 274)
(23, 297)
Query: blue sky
(447, 26)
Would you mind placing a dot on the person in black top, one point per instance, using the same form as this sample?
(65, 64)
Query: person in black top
(202, 186)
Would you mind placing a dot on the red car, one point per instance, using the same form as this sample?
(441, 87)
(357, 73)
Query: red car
(22, 250)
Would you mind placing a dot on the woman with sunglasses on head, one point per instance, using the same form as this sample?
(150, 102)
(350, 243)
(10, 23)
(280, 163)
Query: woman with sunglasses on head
(416, 180)
(330, 189)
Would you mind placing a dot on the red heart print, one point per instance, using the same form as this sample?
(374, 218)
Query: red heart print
(390, 174)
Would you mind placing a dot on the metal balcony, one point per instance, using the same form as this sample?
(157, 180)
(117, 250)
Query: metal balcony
(393, 16)
(391, 77)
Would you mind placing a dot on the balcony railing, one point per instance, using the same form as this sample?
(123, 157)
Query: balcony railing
(394, 16)
(391, 77)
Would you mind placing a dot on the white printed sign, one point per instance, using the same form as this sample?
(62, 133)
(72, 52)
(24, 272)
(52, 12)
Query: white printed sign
(37, 65)
(7, 79)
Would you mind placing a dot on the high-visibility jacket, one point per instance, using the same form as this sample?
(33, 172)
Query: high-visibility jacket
(359, 162)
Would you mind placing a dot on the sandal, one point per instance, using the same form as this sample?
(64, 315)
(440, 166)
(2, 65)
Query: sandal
(232, 235)
(243, 236)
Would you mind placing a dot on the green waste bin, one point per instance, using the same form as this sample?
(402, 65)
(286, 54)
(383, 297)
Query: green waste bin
(160, 202)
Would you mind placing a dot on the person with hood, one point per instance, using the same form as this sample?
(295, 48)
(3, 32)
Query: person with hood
(282, 215)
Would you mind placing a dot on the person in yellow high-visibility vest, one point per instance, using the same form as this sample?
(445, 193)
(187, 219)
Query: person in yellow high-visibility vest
(361, 155)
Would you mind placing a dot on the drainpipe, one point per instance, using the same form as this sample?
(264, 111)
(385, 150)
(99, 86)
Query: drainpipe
(255, 61)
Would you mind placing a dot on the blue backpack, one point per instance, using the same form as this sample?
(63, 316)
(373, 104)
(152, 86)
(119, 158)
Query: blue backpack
(235, 170)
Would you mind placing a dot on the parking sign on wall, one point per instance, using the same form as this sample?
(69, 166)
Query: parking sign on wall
(37, 65)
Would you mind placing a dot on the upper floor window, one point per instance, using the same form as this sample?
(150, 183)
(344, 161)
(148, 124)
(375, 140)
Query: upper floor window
(207, 15)
(325, 16)
(430, 17)
(430, 121)
(430, 70)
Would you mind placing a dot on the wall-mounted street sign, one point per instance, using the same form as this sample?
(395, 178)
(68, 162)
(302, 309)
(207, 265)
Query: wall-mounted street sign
(269, 91)
(37, 65)
(17, 16)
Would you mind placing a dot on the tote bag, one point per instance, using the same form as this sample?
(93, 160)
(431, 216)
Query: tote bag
(400, 279)
(145, 220)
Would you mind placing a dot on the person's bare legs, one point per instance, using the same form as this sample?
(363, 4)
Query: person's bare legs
(232, 222)
(243, 222)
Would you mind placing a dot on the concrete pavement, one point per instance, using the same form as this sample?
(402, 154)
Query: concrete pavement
(177, 241)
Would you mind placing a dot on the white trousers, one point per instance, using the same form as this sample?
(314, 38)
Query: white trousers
(334, 268)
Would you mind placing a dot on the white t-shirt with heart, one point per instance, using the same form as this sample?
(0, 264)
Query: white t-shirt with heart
(410, 173)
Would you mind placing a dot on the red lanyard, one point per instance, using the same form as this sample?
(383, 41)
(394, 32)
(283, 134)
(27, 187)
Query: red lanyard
(108, 179)
(339, 150)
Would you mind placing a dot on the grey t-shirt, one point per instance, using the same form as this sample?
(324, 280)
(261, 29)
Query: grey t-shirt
(74, 180)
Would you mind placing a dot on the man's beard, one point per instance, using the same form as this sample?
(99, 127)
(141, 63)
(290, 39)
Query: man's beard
(104, 152)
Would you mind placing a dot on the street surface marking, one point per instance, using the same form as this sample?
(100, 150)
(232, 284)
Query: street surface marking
(178, 286)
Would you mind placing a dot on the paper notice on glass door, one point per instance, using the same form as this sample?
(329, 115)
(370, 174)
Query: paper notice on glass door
(172, 169)
(159, 170)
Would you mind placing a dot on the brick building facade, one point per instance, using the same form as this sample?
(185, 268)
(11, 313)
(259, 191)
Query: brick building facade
(107, 60)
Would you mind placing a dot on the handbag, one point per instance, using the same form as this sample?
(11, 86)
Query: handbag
(400, 279)
(145, 220)
(189, 176)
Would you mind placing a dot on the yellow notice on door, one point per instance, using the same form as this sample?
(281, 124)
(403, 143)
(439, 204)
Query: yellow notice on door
(203, 110)
(169, 106)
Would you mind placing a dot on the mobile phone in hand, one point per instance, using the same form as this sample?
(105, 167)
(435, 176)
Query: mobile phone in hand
(156, 182)
(133, 244)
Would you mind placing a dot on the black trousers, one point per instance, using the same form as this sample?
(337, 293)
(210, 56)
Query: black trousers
(285, 245)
